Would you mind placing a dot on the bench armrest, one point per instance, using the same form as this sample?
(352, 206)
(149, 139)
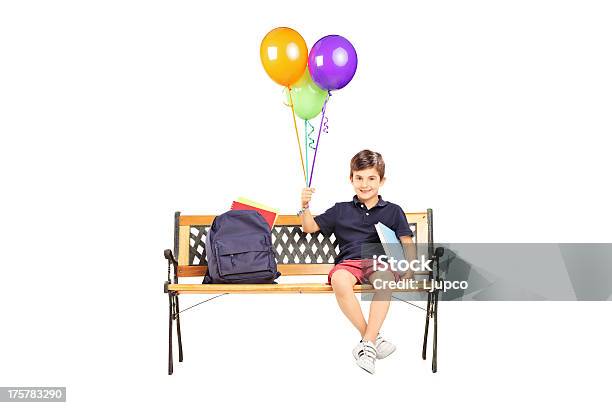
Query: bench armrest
(171, 261)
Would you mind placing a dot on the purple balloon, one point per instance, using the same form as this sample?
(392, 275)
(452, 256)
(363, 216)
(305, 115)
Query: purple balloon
(332, 62)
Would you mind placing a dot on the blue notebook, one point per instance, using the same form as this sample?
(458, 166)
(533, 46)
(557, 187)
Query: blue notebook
(391, 244)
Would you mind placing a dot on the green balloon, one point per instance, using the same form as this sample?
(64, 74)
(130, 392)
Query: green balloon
(308, 98)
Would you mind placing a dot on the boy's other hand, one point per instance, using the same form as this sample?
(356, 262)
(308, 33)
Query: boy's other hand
(307, 196)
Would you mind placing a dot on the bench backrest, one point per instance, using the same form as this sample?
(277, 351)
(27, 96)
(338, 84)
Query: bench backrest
(297, 253)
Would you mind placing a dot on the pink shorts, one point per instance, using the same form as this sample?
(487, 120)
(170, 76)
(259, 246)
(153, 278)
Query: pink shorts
(359, 268)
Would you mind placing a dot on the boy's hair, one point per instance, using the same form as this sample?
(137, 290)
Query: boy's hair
(366, 159)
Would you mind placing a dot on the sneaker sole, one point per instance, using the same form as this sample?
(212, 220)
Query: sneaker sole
(365, 369)
(378, 356)
(381, 356)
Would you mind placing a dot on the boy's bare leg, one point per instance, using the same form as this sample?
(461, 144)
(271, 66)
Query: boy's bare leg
(342, 282)
(378, 307)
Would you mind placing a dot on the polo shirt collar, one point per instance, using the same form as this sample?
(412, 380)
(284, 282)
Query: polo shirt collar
(380, 203)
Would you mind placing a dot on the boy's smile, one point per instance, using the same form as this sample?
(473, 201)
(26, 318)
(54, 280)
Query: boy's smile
(366, 183)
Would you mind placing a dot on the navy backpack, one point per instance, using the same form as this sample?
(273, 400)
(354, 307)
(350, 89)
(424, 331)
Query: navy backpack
(239, 249)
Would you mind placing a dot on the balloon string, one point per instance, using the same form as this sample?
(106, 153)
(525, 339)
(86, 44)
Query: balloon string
(297, 136)
(314, 159)
(309, 132)
(306, 144)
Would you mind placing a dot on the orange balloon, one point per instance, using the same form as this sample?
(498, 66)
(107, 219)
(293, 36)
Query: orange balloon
(284, 55)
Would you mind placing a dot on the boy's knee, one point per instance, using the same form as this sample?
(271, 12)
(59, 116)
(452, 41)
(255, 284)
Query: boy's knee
(380, 280)
(342, 281)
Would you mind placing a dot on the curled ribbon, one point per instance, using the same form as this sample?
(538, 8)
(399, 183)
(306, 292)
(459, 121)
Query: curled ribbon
(309, 131)
(323, 119)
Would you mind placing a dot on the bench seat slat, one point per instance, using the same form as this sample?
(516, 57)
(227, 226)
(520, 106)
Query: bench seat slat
(273, 288)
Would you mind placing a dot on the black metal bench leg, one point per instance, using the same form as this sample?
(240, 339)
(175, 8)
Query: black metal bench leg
(434, 360)
(427, 314)
(178, 328)
(171, 310)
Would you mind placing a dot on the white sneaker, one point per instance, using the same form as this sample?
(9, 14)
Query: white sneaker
(366, 356)
(383, 348)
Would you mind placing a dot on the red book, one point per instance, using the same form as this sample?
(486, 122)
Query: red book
(269, 214)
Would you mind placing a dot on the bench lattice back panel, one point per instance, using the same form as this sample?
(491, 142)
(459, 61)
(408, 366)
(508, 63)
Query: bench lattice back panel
(291, 245)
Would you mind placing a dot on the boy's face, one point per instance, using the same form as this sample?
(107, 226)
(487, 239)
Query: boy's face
(366, 183)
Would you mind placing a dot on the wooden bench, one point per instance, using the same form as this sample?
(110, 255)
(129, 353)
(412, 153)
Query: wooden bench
(297, 254)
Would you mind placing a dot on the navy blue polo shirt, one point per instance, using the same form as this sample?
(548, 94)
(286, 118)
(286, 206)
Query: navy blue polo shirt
(353, 225)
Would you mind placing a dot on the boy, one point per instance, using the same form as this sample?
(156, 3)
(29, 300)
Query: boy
(353, 223)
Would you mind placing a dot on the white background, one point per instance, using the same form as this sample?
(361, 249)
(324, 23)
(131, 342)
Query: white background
(115, 114)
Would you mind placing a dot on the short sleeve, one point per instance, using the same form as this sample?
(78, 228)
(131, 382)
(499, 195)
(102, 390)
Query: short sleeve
(401, 226)
(327, 220)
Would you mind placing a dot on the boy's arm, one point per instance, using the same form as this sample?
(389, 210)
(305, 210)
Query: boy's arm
(409, 252)
(309, 225)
